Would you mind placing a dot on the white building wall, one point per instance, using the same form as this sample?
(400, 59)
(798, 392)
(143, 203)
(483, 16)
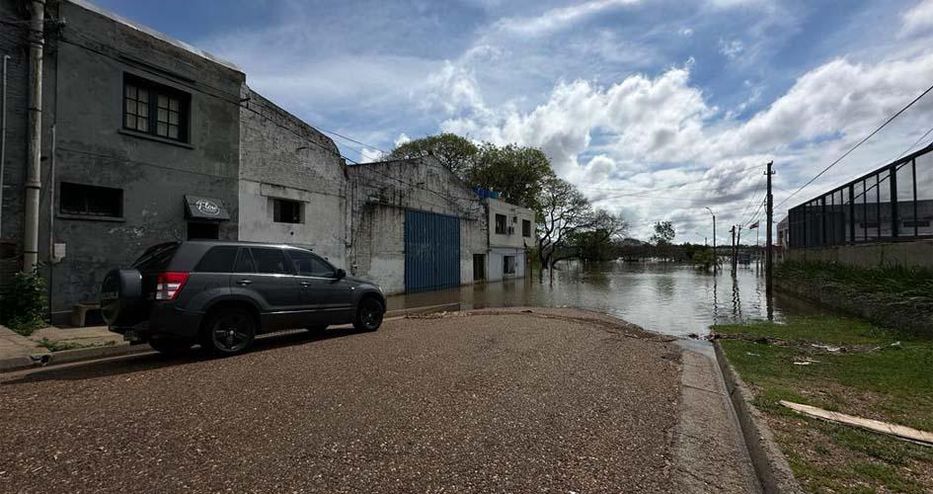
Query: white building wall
(510, 243)
(321, 229)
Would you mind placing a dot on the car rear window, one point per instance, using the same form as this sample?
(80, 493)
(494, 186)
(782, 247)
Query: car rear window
(217, 260)
(157, 257)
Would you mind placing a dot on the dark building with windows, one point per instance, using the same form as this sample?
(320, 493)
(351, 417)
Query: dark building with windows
(146, 139)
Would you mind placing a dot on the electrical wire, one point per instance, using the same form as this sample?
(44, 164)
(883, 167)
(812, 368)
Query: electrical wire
(857, 145)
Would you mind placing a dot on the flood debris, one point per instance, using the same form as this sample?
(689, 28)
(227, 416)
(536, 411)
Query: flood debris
(923, 438)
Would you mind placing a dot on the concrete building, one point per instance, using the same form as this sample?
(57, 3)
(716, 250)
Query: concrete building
(511, 234)
(415, 225)
(153, 141)
(139, 141)
(293, 181)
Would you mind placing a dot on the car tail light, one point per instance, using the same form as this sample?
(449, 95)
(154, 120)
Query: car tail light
(169, 284)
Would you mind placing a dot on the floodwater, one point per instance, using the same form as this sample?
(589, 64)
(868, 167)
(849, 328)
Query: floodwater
(668, 298)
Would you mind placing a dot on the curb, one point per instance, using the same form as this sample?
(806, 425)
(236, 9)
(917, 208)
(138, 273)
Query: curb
(427, 309)
(770, 465)
(66, 356)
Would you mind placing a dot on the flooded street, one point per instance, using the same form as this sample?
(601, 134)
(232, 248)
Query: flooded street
(668, 298)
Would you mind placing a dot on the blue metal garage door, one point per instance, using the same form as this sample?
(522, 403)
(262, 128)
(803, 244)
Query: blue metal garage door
(432, 251)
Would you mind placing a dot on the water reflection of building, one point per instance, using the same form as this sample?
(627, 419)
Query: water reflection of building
(885, 216)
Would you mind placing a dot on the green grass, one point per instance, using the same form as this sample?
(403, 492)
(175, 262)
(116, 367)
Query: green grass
(896, 280)
(884, 375)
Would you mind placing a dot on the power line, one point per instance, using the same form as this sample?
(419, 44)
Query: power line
(856, 146)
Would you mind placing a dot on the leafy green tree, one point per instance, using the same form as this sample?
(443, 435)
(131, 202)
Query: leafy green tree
(663, 233)
(600, 242)
(518, 173)
(456, 153)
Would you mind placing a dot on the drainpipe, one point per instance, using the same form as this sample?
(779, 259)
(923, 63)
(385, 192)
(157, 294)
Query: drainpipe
(6, 60)
(34, 148)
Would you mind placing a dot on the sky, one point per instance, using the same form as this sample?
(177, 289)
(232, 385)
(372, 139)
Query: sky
(655, 109)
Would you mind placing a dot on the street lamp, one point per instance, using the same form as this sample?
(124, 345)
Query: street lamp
(715, 254)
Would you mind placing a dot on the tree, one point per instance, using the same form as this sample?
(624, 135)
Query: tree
(601, 241)
(456, 153)
(663, 233)
(517, 173)
(564, 211)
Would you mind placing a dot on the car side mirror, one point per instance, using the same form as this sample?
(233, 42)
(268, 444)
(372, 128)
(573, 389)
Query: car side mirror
(341, 274)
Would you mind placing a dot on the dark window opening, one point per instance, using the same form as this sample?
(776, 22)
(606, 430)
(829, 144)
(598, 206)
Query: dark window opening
(217, 260)
(155, 109)
(500, 224)
(526, 228)
(508, 265)
(203, 231)
(479, 267)
(90, 200)
(286, 211)
(917, 223)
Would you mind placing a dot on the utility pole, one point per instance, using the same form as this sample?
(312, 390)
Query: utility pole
(715, 254)
(732, 231)
(34, 136)
(768, 213)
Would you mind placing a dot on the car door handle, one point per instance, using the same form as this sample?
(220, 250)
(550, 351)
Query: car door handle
(305, 284)
(244, 282)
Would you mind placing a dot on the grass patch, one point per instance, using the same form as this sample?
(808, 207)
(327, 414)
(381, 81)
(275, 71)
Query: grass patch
(898, 280)
(883, 375)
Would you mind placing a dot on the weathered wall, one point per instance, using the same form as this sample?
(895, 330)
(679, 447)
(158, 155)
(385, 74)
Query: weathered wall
(379, 195)
(13, 43)
(283, 157)
(86, 60)
(514, 216)
(496, 260)
(912, 253)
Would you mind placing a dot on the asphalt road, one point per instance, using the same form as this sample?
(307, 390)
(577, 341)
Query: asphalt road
(520, 402)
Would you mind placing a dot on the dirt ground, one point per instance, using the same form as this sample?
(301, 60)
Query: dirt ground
(490, 401)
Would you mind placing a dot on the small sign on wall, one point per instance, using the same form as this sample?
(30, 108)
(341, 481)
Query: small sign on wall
(58, 252)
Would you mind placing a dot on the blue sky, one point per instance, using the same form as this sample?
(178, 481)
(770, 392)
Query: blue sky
(654, 108)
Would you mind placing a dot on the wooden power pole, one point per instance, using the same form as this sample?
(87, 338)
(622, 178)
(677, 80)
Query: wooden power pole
(768, 214)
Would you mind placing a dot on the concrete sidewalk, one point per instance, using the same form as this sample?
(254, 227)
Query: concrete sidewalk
(18, 351)
(58, 344)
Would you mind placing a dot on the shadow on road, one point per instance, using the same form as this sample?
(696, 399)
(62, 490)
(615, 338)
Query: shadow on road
(115, 366)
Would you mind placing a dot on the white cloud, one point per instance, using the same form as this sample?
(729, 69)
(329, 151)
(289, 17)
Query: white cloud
(402, 139)
(370, 155)
(558, 18)
(686, 32)
(731, 49)
(919, 17)
(663, 148)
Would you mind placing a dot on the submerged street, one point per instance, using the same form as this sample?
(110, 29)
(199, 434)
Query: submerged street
(508, 403)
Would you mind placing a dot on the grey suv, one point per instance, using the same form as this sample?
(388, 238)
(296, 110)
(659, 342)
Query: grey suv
(222, 294)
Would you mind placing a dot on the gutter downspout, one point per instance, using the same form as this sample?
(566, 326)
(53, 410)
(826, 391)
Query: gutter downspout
(6, 60)
(34, 148)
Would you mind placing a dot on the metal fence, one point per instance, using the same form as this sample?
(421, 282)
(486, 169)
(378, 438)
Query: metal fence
(892, 203)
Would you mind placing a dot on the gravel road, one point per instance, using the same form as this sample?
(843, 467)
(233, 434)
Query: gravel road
(496, 401)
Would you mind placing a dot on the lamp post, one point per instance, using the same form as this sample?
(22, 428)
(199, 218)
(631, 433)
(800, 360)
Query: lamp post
(715, 254)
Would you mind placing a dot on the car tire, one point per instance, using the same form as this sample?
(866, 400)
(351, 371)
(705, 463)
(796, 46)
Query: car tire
(170, 347)
(369, 313)
(229, 331)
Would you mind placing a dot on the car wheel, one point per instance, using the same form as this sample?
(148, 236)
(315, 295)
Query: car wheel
(369, 315)
(229, 331)
(170, 347)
